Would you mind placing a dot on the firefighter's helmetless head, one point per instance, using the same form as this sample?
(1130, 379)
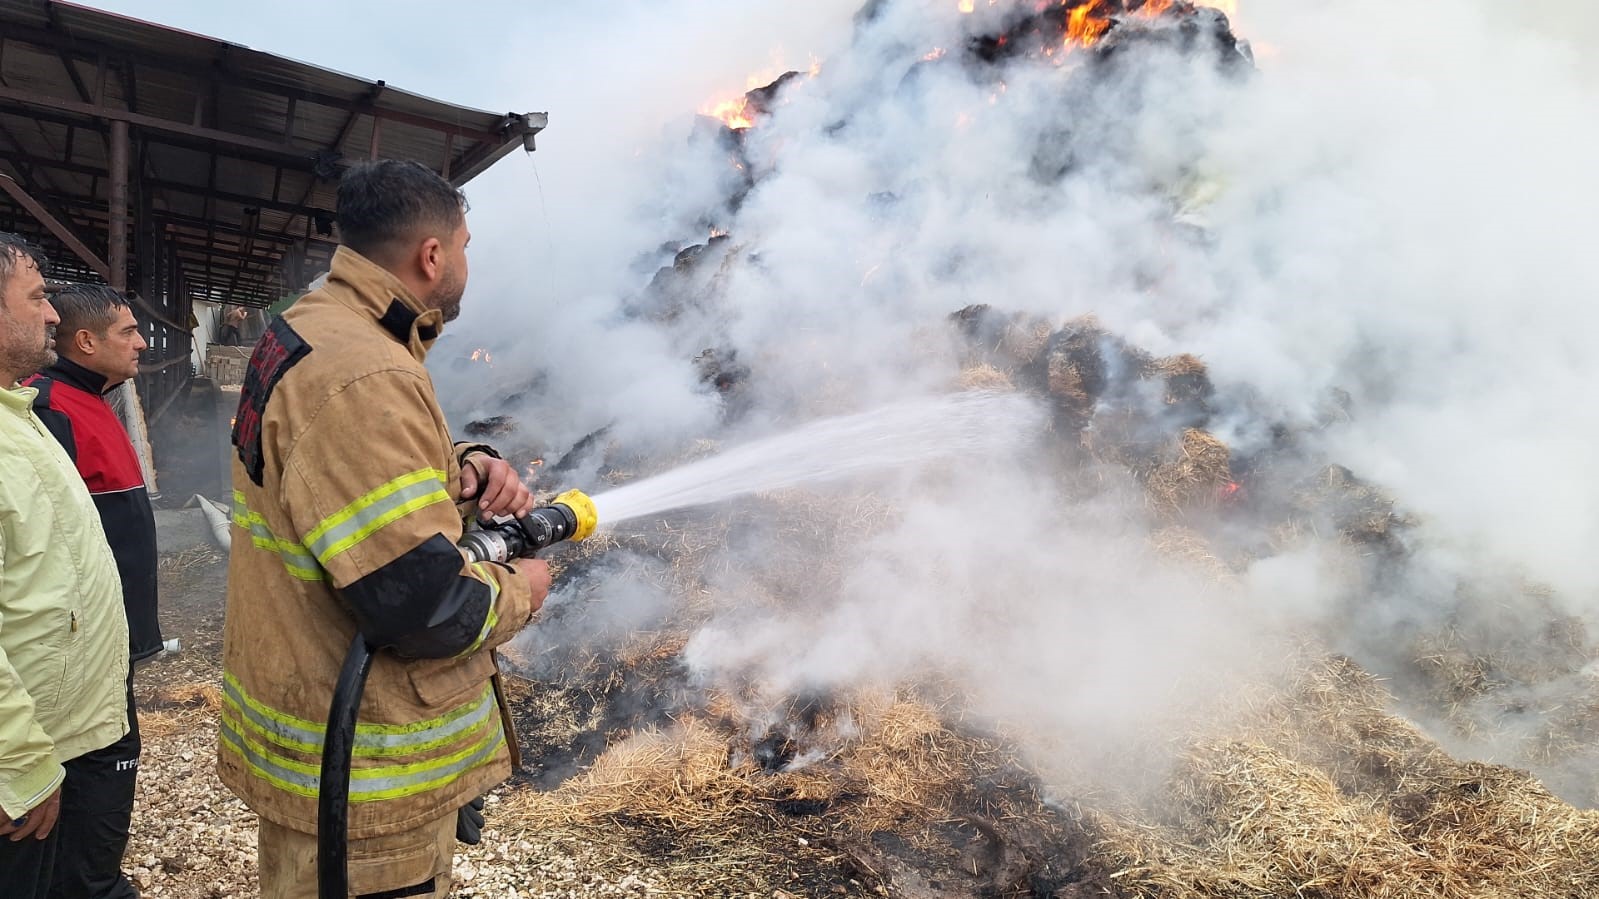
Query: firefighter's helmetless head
(404, 217)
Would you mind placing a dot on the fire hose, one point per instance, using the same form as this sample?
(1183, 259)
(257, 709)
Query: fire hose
(570, 516)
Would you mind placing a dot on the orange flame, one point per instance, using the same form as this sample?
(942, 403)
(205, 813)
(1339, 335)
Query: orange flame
(966, 6)
(482, 355)
(1083, 29)
(1088, 22)
(735, 114)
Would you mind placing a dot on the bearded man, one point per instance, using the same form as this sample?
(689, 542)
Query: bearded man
(63, 635)
(345, 485)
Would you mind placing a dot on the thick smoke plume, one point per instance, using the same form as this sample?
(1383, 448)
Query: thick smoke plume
(1373, 233)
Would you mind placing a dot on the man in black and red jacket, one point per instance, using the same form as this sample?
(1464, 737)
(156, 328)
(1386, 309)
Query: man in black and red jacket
(98, 343)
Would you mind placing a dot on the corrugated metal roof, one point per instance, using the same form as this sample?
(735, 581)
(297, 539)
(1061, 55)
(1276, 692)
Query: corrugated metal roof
(236, 152)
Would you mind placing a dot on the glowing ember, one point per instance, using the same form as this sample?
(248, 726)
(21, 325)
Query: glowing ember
(482, 355)
(935, 53)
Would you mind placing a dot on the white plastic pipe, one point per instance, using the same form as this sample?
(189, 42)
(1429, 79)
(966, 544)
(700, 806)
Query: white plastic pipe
(218, 519)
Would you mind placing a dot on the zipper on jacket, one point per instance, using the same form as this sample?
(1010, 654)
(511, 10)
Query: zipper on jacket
(74, 622)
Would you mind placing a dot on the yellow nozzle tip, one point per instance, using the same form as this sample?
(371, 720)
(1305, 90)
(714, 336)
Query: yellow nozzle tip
(583, 508)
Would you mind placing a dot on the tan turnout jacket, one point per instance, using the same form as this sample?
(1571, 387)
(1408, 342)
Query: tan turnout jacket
(344, 517)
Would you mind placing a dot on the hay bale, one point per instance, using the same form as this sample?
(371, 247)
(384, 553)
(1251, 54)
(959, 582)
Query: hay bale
(1187, 382)
(984, 377)
(1194, 550)
(1193, 474)
(1023, 339)
(1323, 792)
(1264, 821)
(1010, 341)
(1335, 499)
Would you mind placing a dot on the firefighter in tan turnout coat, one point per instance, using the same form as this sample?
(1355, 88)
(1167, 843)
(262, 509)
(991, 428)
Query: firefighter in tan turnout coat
(345, 518)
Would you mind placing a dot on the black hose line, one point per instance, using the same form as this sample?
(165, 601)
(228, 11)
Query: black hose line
(333, 793)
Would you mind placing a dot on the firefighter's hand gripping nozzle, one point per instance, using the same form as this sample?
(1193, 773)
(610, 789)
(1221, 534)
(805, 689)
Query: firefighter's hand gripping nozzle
(569, 516)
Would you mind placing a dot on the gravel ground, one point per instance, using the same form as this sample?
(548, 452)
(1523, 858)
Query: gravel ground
(191, 839)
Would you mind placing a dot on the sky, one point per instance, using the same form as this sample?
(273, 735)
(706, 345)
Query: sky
(1401, 209)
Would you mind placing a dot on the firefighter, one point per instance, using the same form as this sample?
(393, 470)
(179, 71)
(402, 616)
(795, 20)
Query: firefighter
(345, 520)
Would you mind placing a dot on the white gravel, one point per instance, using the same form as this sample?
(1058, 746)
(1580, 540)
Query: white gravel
(192, 839)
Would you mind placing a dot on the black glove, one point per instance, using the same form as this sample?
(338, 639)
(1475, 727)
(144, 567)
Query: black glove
(469, 823)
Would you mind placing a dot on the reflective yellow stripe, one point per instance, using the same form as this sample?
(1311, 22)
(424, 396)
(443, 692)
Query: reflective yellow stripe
(493, 617)
(371, 740)
(366, 516)
(366, 784)
(296, 559)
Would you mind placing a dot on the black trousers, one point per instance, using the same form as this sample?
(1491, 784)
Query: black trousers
(82, 858)
(26, 866)
(96, 807)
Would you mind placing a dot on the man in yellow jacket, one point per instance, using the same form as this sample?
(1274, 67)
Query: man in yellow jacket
(345, 520)
(63, 635)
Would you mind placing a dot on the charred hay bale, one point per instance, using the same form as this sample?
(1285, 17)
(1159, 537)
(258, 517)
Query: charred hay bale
(493, 426)
(1188, 390)
(1075, 372)
(696, 279)
(1335, 499)
(1007, 341)
(1192, 475)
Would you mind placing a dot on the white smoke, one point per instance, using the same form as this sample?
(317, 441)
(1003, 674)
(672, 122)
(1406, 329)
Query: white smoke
(1398, 206)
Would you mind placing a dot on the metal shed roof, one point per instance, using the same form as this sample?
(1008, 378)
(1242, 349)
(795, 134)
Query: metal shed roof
(235, 153)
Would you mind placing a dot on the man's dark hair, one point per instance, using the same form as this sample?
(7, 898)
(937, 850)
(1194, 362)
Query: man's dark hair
(14, 249)
(387, 202)
(86, 307)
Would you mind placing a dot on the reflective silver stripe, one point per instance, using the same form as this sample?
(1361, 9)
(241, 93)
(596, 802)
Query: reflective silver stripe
(364, 787)
(300, 563)
(306, 736)
(293, 781)
(327, 544)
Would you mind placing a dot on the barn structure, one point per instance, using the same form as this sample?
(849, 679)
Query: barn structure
(196, 174)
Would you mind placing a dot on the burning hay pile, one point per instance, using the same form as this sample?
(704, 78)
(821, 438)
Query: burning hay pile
(1311, 782)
